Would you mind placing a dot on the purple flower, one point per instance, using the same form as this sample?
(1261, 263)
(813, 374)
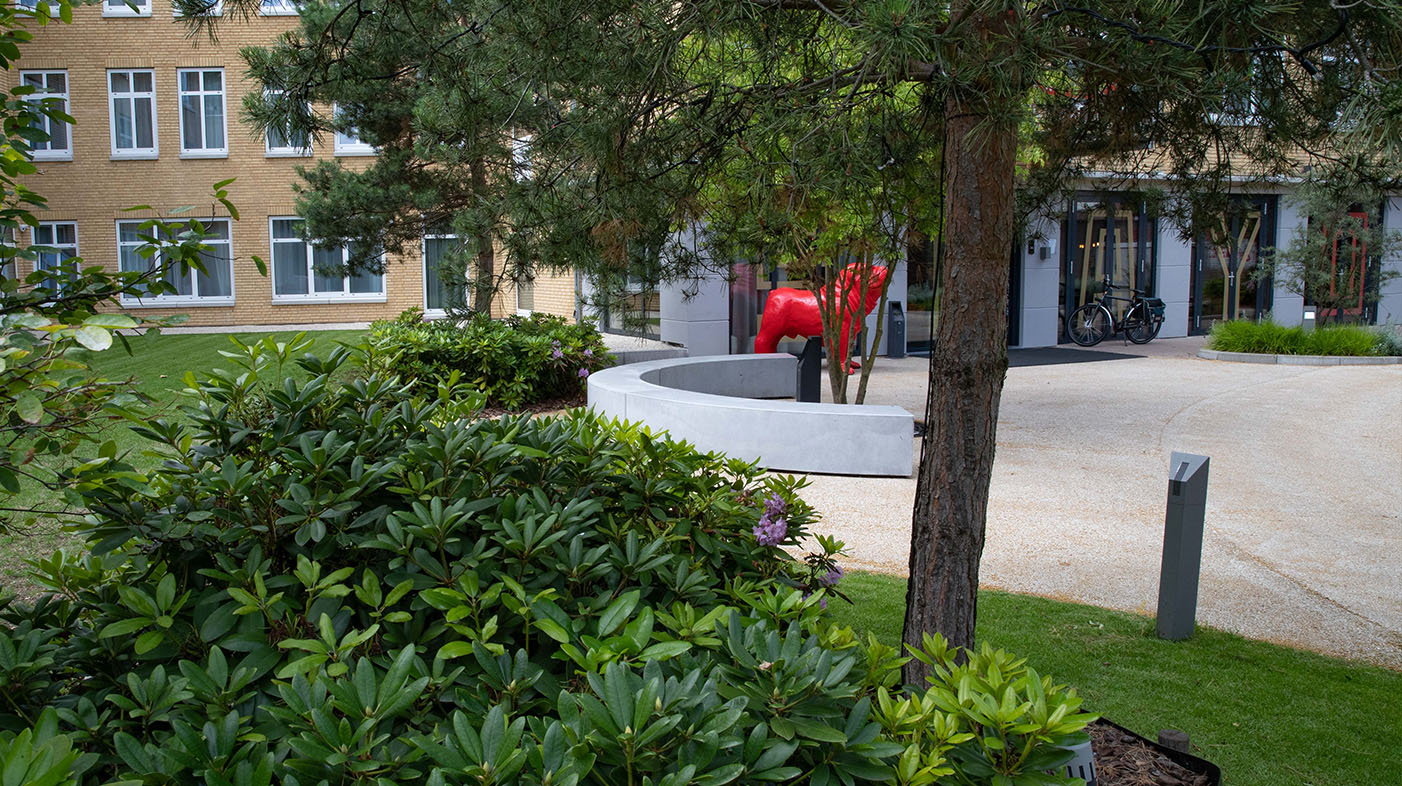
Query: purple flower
(555, 343)
(584, 372)
(589, 353)
(774, 505)
(771, 530)
(556, 353)
(831, 578)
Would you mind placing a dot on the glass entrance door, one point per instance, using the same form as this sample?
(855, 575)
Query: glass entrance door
(1227, 252)
(1109, 237)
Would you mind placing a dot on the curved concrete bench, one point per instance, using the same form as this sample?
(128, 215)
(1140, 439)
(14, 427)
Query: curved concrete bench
(716, 403)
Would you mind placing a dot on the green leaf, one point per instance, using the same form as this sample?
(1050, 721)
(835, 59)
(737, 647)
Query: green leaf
(817, 730)
(93, 338)
(664, 649)
(149, 641)
(617, 612)
(454, 649)
(110, 321)
(124, 627)
(29, 407)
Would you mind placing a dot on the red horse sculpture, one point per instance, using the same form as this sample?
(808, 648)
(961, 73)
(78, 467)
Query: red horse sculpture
(794, 312)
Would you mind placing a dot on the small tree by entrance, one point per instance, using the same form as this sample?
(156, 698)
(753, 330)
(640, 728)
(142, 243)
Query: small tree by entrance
(1334, 259)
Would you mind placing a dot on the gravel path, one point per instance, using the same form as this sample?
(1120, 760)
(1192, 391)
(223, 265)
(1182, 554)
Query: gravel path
(1304, 518)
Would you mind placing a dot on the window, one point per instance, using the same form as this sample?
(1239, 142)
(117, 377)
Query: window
(30, 5)
(521, 156)
(525, 296)
(202, 124)
(8, 268)
(348, 141)
(52, 88)
(58, 242)
(214, 286)
(278, 8)
(440, 295)
(281, 142)
(304, 271)
(132, 101)
(126, 7)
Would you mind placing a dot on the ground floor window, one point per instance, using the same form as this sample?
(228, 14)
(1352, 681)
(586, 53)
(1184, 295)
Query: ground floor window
(1107, 240)
(135, 252)
(306, 271)
(444, 276)
(57, 244)
(1227, 249)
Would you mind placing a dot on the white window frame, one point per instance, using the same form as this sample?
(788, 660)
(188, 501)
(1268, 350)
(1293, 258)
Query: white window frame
(525, 312)
(286, 151)
(278, 8)
(50, 154)
(467, 291)
(135, 153)
(347, 145)
(521, 156)
(27, 5)
(183, 301)
(312, 296)
(143, 8)
(53, 226)
(203, 95)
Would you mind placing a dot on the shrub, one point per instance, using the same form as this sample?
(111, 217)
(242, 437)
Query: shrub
(1388, 341)
(355, 582)
(1272, 339)
(514, 362)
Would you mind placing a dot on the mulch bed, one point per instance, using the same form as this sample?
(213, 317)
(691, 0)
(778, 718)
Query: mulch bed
(1124, 760)
(548, 407)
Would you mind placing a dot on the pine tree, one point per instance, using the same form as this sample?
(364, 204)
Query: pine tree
(790, 127)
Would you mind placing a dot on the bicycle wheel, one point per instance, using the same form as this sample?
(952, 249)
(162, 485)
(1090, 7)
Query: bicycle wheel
(1139, 327)
(1088, 325)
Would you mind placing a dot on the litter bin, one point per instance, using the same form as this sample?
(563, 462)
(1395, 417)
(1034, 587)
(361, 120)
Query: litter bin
(895, 330)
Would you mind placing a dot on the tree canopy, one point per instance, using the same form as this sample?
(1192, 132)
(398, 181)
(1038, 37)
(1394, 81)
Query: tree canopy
(788, 128)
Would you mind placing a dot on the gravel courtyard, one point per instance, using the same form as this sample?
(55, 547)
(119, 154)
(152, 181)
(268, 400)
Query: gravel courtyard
(1304, 509)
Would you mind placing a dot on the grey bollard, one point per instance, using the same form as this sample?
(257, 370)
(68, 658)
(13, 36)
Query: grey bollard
(810, 371)
(1182, 545)
(895, 330)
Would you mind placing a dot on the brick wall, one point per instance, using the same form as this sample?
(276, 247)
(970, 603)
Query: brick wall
(92, 189)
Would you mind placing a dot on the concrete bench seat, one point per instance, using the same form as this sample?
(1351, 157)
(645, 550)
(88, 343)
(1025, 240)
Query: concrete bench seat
(718, 404)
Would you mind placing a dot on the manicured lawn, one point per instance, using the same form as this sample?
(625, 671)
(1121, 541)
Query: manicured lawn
(1267, 715)
(158, 364)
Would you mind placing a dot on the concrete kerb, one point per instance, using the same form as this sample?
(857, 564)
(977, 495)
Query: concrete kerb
(718, 403)
(1298, 360)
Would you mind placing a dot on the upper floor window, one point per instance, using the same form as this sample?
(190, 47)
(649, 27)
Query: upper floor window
(126, 7)
(30, 5)
(304, 271)
(441, 290)
(521, 156)
(57, 243)
(278, 8)
(525, 296)
(132, 101)
(213, 286)
(282, 142)
(50, 87)
(202, 123)
(348, 142)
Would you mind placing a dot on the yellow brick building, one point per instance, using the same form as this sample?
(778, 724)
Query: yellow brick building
(158, 122)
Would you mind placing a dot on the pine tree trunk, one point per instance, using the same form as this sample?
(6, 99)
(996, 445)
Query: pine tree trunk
(970, 361)
(484, 271)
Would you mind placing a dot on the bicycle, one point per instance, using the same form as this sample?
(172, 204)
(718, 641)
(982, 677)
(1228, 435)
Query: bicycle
(1092, 322)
